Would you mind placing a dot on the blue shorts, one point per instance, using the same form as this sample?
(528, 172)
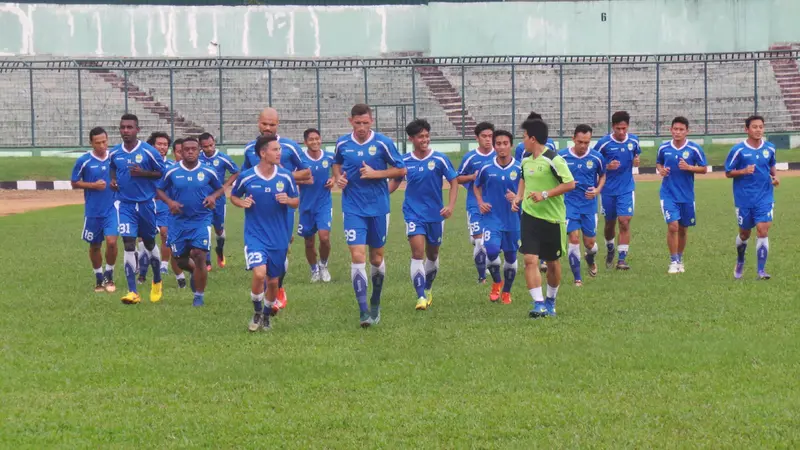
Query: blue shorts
(137, 219)
(683, 212)
(474, 221)
(749, 217)
(507, 241)
(313, 221)
(95, 229)
(586, 223)
(163, 218)
(432, 231)
(220, 211)
(290, 220)
(182, 241)
(256, 254)
(613, 206)
(369, 231)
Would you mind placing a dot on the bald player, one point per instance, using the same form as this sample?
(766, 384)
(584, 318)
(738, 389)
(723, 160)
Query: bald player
(291, 160)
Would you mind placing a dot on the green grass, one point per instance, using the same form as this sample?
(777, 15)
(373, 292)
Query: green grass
(638, 359)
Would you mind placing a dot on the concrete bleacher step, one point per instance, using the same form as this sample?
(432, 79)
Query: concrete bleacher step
(447, 96)
(787, 75)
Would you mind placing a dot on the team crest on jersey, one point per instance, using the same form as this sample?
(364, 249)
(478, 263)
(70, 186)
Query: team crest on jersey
(216, 163)
(431, 165)
(630, 146)
(201, 176)
(513, 175)
(372, 150)
(138, 159)
(324, 164)
(685, 154)
(589, 164)
(765, 153)
(279, 186)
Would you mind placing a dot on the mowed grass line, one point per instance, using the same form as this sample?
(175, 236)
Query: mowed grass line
(637, 359)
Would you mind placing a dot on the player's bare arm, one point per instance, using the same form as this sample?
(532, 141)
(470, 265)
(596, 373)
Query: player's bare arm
(593, 192)
(613, 165)
(369, 173)
(303, 176)
(773, 173)
(683, 165)
(174, 207)
(749, 170)
(341, 178)
(520, 195)
(243, 202)
(284, 199)
(464, 179)
(137, 171)
(447, 211)
(394, 183)
(98, 185)
(484, 207)
(662, 171)
(231, 180)
(211, 201)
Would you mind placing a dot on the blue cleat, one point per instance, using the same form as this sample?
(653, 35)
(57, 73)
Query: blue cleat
(539, 310)
(762, 275)
(366, 320)
(550, 305)
(375, 314)
(198, 300)
(738, 271)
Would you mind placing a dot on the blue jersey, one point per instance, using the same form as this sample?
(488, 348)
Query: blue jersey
(494, 180)
(678, 186)
(620, 180)
(291, 158)
(423, 201)
(220, 163)
(90, 168)
(136, 189)
(754, 189)
(362, 197)
(266, 222)
(190, 187)
(520, 153)
(473, 162)
(586, 170)
(315, 197)
(161, 206)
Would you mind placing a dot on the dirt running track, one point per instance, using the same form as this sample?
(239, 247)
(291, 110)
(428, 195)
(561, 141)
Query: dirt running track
(16, 202)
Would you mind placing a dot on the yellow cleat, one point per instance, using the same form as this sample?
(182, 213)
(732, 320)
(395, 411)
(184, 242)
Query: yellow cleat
(422, 304)
(155, 293)
(429, 296)
(132, 298)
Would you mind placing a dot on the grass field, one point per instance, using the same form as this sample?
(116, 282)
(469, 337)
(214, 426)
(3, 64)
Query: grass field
(638, 359)
(54, 168)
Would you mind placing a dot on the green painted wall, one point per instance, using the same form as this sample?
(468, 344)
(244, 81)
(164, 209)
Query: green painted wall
(438, 29)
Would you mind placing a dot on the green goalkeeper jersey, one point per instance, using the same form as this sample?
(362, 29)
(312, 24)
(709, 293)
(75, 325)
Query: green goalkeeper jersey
(542, 174)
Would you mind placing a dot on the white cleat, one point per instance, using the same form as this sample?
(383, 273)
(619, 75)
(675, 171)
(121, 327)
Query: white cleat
(315, 277)
(674, 267)
(681, 268)
(324, 274)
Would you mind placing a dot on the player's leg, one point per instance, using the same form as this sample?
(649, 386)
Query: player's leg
(434, 234)
(111, 260)
(377, 230)
(746, 221)
(143, 260)
(510, 246)
(323, 219)
(476, 239)
(531, 247)
(492, 240)
(764, 214)
(282, 299)
(688, 219)
(552, 249)
(96, 258)
(220, 211)
(307, 231)
(256, 262)
(276, 267)
(672, 214)
(128, 229)
(608, 206)
(148, 231)
(355, 232)
(180, 248)
(589, 229)
(166, 253)
(416, 240)
(574, 247)
(199, 275)
(625, 207)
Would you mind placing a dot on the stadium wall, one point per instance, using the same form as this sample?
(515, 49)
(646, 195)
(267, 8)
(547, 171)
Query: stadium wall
(437, 29)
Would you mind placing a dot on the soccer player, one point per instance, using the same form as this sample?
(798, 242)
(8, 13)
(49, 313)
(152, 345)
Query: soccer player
(291, 160)
(495, 190)
(545, 180)
(177, 153)
(265, 191)
(677, 162)
(177, 149)
(316, 206)
(423, 208)
(135, 169)
(588, 168)
(91, 173)
(363, 161)
(473, 161)
(751, 164)
(190, 189)
(221, 163)
(621, 151)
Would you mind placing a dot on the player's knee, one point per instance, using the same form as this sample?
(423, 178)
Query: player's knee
(309, 242)
(492, 252)
(111, 242)
(673, 227)
(574, 238)
(432, 253)
(259, 274)
(531, 260)
(95, 247)
(272, 282)
(762, 230)
(163, 233)
(149, 243)
(510, 257)
(376, 259)
(624, 223)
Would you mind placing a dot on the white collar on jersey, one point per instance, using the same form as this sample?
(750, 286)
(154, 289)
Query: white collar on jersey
(611, 136)
(672, 143)
(91, 153)
(321, 155)
(412, 155)
(260, 175)
(371, 137)
(753, 148)
(478, 151)
(138, 144)
(497, 164)
(216, 152)
(572, 152)
(191, 170)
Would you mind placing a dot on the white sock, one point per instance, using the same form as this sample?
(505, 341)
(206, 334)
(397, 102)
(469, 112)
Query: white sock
(323, 263)
(495, 262)
(552, 291)
(762, 242)
(379, 269)
(140, 247)
(471, 240)
(574, 250)
(430, 266)
(155, 253)
(610, 242)
(536, 294)
(358, 268)
(257, 297)
(129, 258)
(109, 267)
(417, 268)
(181, 276)
(99, 270)
(739, 241)
(623, 248)
(286, 265)
(592, 250)
(164, 264)
(478, 247)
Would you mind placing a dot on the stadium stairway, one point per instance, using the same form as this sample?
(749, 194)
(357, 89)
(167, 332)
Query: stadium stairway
(183, 126)
(788, 77)
(449, 99)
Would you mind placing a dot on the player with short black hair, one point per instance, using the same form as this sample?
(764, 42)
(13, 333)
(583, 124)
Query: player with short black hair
(316, 205)
(221, 163)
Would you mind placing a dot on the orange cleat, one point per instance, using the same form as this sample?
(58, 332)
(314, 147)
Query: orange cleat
(495, 294)
(221, 261)
(506, 298)
(281, 299)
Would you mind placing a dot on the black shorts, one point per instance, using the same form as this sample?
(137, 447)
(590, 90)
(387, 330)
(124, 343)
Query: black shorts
(542, 238)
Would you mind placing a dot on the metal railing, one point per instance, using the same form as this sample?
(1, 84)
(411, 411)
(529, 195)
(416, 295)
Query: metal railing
(54, 102)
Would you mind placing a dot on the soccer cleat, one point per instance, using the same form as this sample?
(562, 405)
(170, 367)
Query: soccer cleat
(141, 279)
(738, 271)
(674, 267)
(550, 305)
(375, 314)
(256, 323)
(622, 265)
(539, 310)
(181, 283)
(315, 277)
(274, 309)
(365, 319)
(763, 275)
(266, 322)
(495, 294)
(155, 292)
(164, 270)
(429, 296)
(281, 300)
(99, 287)
(131, 298)
(681, 267)
(221, 261)
(482, 280)
(506, 298)
(578, 283)
(324, 274)
(422, 304)
(110, 286)
(198, 300)
(593, 270)
(609, 260)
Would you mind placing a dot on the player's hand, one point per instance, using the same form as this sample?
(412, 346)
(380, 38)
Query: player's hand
(329, 184)
(536, 196)
(663, 171)
(514, 206)
(175, 208)
(775, 181)
(247, 202)
(100, 185)
(750, 169)
(591, 193)
(510, 196)
(209, 202)
(446, 212)
(342, 181)
(366, 171)
(683, 165)
(114, 185)
(613, 165)
(636, 161)
(282, 198)
(485, 207)
(135, 170)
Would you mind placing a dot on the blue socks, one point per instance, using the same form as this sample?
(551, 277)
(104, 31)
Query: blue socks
(762, 250)
(418, 277)
(130, 270)
(358, 275)
(431, 269)
(378, 274)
